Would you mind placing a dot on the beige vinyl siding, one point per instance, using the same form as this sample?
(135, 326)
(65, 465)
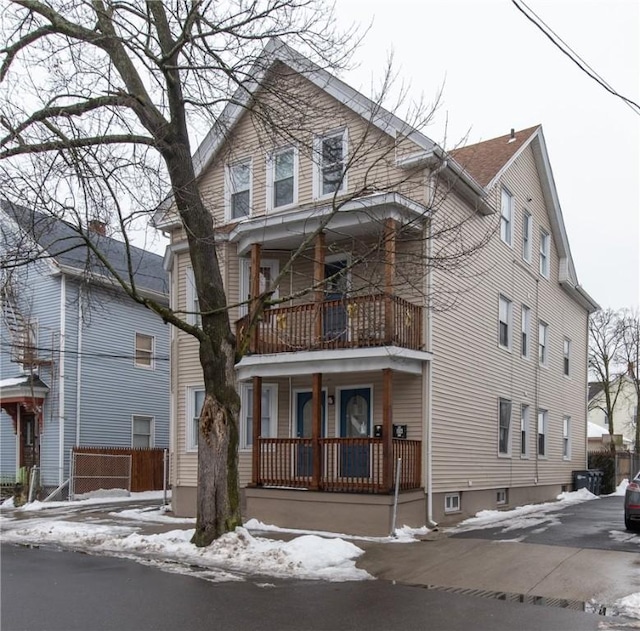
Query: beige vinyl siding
(471, 372)
(371, 153)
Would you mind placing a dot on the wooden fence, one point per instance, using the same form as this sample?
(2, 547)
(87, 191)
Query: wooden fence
(96, 469)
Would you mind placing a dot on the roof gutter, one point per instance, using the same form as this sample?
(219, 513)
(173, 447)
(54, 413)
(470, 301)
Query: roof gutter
(456, 173)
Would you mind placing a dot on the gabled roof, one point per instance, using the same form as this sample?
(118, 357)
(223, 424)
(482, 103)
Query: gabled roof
(485, 160)
(595, 387)
(63, 245)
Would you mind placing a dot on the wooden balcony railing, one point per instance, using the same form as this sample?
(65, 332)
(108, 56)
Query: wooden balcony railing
(356, 322)
(348, 465)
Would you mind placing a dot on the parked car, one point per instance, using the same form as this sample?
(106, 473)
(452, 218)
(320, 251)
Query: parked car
(632, 504)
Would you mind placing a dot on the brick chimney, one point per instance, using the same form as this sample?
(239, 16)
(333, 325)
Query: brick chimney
(98, 227)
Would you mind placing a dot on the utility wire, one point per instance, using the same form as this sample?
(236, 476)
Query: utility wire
(85, 353)
(557, 41)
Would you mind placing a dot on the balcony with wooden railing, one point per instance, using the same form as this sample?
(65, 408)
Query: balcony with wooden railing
(346, 465)
(351, 322)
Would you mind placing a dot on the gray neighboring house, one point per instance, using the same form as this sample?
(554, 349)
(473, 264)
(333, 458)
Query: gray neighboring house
(80, 362)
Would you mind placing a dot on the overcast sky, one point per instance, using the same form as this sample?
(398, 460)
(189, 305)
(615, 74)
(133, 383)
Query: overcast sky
(499, 71)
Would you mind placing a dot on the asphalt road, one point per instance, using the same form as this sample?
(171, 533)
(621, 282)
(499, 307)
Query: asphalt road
(596, 524)
(46, 589)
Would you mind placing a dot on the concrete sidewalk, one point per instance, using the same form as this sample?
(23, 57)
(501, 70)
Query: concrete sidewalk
(519, 568)
(555, 572)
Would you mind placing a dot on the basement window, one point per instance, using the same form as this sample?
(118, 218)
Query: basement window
(452, 503)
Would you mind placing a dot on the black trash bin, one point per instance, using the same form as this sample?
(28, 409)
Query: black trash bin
(598, 477)
(580, 480)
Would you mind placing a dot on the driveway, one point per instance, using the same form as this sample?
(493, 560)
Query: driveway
(596, 524)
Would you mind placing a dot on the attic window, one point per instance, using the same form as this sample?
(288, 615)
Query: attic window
(332, 152)
(239, 189)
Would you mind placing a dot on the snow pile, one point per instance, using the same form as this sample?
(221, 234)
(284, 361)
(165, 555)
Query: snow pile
(153, 514)
(98, 498)
(621, 488)
(306, 557)
(527, 516)
(628, 606)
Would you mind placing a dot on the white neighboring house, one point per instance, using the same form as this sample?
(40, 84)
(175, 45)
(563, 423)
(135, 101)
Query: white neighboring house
(625, 410)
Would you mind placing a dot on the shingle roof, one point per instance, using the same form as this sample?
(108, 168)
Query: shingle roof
(484, 160)
(68, 248)
(594, 388)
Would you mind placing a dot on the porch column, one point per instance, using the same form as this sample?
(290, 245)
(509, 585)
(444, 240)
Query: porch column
(389, 276)
(254, 289)
(256, 414)
(387, 430)
(318, 278)
(316, 430)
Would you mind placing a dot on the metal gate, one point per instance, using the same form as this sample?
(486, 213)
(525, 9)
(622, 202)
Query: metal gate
(92, 472)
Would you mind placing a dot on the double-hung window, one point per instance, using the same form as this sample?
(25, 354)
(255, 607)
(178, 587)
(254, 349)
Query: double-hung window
(193, 304)
(239, 189)
(504, 431)
(545, 241)
(142, 434)
(195, 400)
(269, 411)
(525, 331)
(543, 343)
(144, 350)
(566, 357)
(566, 438)
(506, 217)
(527, 236)
(331, 156)
(524, 431)
(282, 178)
(504, 322)
(542, 433)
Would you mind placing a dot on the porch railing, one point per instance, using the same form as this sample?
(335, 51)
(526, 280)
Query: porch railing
(348, 465)
(354, 322)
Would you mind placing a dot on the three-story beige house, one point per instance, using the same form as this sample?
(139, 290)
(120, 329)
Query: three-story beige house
(426, 326)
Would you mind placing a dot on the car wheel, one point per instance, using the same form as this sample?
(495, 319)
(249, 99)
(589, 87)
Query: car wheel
(628, 524)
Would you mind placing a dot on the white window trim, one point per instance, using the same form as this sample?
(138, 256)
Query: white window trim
(543, 422)
(524, 427)
(227, 189)
(527, 230)
(152, 428)
(195, 319)
(317, 162)
(501, 298)
(191, 437)
(507, 453)
(273, 412)
(452, 496)
(525, 329)
(545, 250)
(270, 187)
(506, 219)
(152, 364)
(566, 355)
(566, 436)
(543, 349)
(245, 281)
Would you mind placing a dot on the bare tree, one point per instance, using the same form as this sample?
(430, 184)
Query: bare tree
(100, 100)
(605, 345)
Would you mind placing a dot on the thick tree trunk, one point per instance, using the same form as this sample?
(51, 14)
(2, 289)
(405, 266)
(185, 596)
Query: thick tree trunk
(218, 503)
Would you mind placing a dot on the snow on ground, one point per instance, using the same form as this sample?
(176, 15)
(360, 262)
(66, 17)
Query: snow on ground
(628, 606)
(529, 516)
(621, 488)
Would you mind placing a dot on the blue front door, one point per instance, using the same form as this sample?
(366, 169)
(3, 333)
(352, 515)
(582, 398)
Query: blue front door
(355, 422)
(304, 429)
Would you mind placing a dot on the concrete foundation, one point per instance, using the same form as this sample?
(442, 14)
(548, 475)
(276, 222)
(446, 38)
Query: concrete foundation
(347, 513)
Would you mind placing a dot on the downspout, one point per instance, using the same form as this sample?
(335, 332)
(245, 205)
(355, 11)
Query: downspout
(79, 368)
(61, 393)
